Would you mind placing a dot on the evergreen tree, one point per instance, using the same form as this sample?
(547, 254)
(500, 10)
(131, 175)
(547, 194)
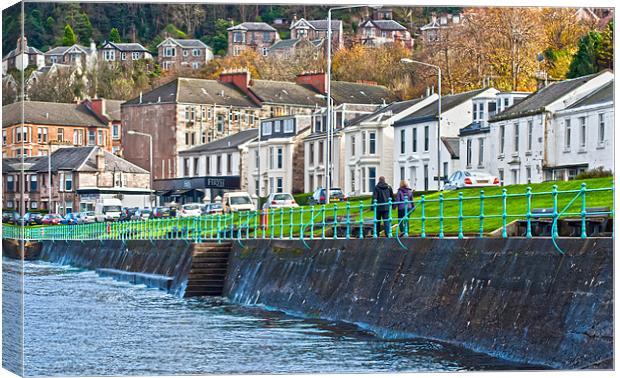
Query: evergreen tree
(605, 51)
(83, 28)
(115, 36)
(69, 37)
(584, 62)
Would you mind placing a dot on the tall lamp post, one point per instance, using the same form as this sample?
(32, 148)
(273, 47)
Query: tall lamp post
(330, 132)
(132, 132)
(411, 61)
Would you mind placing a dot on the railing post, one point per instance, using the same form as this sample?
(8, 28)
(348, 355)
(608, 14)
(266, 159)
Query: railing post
(256, 212)
(422, 217)
(528, 214)
(584, 233)
(405, 216)
(312, 222)
(388, 231)
(301, 223)
(290, 227)
(460, 215)
(374, 219)
(281, 223)
(335, 226)
(323, 222)
(440, 215)
(481, 213)
(348, 231)
(272, 223)
(554, 193)
(361, 206)
(504, 216)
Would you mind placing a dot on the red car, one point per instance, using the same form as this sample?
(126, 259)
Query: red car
(51, 219)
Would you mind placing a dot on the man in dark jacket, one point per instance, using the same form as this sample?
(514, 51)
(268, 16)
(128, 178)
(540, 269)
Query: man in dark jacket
(381, 196)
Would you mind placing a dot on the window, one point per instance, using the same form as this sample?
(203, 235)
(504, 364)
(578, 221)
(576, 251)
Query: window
(468, 152)
(229, 162)
(218, 165)
(289, 125)
(271, 185)
(61, 134)
(402, 173)
(364, 143)
(34, 204)
(195, 65)
(445, 169)
(135, 55)
(426, 140)
(475, 112)
(238, 37)
(530, 132)
(100, 137)
(567, 134)
(10, 184)
(515, 176)
(33, 183)
(42, 134)
(500, 173)
(123, 56)
(208, 165)
(601, 128)
(279, 164)
(480, 151)
(320, 152)
(372, 178)
(502, 134)
(266, 37)
(277, 126)
(264, 51)
(68, 179)
(116, 132)
(311, 153)
(220, 123)
(185, 53)
(270, 157)
(528, 174)
(108, 55)
(352, 145)
(372, 143)
(186, 167)
(170, 51)
(582, 131)
(352, 175)
(414, 134)
(196, 52)
(516, 137)
(425, 177)
(402, 141)
(279, 188)
(267, 128)
(480, 112)
(196, 166)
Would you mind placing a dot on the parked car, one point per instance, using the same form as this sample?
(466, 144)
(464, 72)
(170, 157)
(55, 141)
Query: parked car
(161, 212)
(142, 214)
(69, 218)
(127, 213)
(108, 209)
(318, 197)
(7, 216)
(86, 217)
(13, 217)
(237, 201)
(51, 219)
(32, 219)
(470, 179)
(213, 208)
(191, 210)
(277, 200)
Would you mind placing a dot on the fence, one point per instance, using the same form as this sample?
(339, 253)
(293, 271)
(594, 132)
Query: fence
(442, 215)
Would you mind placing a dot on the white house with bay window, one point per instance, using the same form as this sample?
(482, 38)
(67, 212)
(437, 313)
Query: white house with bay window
(416, 142)
(553, 133)
(275, 160)
(369, 145)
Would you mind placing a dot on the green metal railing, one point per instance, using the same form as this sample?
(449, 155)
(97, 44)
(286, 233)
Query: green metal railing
(443, 215)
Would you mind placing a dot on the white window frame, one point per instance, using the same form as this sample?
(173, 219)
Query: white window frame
(582, 132)
(567, 132)
(135, 55)
(601, 128)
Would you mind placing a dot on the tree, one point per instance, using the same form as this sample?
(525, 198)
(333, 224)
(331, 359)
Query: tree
(60, 85)
(219, 41)
(83, 27)
(605, 51)
(69, 37)
(584, 62)
(115, 36)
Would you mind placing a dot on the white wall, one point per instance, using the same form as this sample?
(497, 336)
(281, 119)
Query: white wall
(269, 172)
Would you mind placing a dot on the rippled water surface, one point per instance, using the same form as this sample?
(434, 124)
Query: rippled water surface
(78, 323)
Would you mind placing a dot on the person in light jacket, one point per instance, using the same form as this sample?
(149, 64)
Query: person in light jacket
(404, 203)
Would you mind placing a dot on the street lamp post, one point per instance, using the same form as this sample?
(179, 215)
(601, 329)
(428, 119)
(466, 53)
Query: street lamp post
(411, 61)
(132, 132)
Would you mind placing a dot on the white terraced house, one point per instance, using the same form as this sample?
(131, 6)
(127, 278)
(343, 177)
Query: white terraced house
(276, 159)
(544, 138)
(369, 142)
(416, 143)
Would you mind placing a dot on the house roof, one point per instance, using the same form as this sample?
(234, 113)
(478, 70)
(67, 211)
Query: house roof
(227, 143)
(452, 145)
(385, 24)
(430, 111)
(49, 113)
(113, 109)
(84, 159)
(253, 26)
(539, 100)
(601, 95)
(186, 43)
(284, 44)
(285, 92)
(15, 164)
(196, 91)
(61, 50)
(393, 108)
(474, 128)
(29, 50)
(317, 24)
(359, 93)
(126, 46)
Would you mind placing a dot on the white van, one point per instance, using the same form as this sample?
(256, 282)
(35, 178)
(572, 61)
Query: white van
(237, 201)
(108, 209)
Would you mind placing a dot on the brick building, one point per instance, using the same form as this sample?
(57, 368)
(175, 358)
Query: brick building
(22, 57)
(177, 54)
(123, 52)
(257, 36)
(381, 29)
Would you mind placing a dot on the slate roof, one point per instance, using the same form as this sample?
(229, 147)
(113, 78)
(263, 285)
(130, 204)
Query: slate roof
(195, 91)
(395, 108)
(29, 50)
(126, 46)
(49, 113)
(253, 26)
(284, 44)
(83, 159)
(230, 142)
(113, 109)
(61, 50)
(537, 101)
(15, 164)
(358, 93)
(187, 43)
(452, 145)
(319, 24)
(387, 25)
(599, 96)
(430, 111)
(474, 128)
(285, 92)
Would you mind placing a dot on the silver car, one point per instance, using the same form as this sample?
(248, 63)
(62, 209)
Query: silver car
(470, 179)
(277, 200)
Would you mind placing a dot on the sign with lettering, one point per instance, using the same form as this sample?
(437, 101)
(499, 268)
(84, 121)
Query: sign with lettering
(203, 182)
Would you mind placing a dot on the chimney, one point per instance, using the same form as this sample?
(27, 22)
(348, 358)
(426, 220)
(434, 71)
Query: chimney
(98, 106)
(314, 79)
(100, 160)
(241, 79)
(93, 47)
(22, 43)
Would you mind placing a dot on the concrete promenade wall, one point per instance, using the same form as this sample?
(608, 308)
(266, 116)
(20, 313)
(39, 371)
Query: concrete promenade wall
(164, 263)
(515, 298)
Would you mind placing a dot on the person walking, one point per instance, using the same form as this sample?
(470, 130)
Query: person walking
(404, 203)
(381, 196)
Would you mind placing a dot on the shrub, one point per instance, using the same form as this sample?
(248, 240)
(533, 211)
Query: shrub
(594, 173)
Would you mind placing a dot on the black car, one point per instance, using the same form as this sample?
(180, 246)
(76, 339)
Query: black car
(161, 212)
(32, 219)
(318, 197)
(6, 216)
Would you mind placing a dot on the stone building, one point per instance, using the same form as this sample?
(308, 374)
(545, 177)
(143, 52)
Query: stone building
(178, 54)
(77, 56)
(79, 177)
(124, 53)
(22, 57)
(381, 29)
(257, 36)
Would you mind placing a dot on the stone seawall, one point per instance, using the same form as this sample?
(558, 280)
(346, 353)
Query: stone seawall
(164, 264)
(514, 298)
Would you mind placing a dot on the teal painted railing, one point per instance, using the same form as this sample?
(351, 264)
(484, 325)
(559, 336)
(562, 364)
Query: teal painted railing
(447, 214)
